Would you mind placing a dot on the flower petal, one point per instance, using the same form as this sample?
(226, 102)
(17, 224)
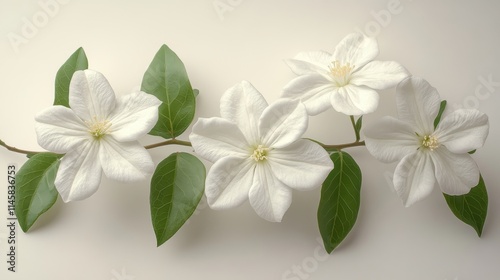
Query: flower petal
(313, 90)
(354, 100)
(455, 173)
(414, 177)
(59, 130)
(90, 95)
(215, 138)
(229, 181)
(303, 165)
(269, 197)
(390, 139)
(79, 173)
(418, 104)
(463, 130)
(282, 123)
(243, 105)
(356, 49)
(379, 75)
(134, 116)
(126, 161)
(310, 62)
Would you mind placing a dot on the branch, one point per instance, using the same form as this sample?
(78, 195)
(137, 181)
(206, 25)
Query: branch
(169, 142)
(16, 150)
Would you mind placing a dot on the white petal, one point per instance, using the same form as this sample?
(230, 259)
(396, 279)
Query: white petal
(310, 62)
(79, 173)
(379, 75)
(463, 130)
(282, 123)
(418, 104)
(354, 100)
(456, 173)
(90, 95)
(134, 116)
(127, 161)
(303, 165)
(243, 105)
(229, 181)
(356, 49)
(215, 138)
(414, 177)
(269, 197)
(390, 139)
(313, 90)
(59, 130)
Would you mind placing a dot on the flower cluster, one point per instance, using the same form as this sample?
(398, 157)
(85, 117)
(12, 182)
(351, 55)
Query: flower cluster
(256, 149)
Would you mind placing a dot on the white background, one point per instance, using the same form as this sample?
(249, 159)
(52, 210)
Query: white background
(109, 236)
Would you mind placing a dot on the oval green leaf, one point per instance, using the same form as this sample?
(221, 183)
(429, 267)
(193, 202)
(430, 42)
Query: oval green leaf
(471, 208)
(77, 61)
(442, 106)
(166, 78)
(177, 186)
(35, 190)
(340, 200)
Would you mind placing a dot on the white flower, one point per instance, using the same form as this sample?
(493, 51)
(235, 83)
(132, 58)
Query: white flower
(426, 154)
(97, 133)
(346, 79)
(257, 152)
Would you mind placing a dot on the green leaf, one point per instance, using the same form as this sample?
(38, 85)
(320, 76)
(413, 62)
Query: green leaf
(340, 200)
(166, 78)
(442, 106)
(471, 208)
(472, 152)
(35, 190)
(77, 61)
(357, 127)
(176, 189)
(196, 92)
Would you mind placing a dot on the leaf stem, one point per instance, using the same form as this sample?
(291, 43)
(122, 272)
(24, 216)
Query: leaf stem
(16, 150)
(169, 142)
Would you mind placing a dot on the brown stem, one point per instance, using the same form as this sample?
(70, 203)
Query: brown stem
(16, 150)
(169, 142)
(343, 146)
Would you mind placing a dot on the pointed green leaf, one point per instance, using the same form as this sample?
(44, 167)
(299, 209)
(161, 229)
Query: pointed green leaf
(77, 61)
(340, 200)
(357, 127)
(176, 189)
(35, 190)
(471, 208)
(442, 106)
(166, 78)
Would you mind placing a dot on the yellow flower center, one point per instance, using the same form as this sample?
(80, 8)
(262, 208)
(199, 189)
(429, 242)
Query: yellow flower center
(98, 128)
(260, 153)
(341, 73)
(430, 142)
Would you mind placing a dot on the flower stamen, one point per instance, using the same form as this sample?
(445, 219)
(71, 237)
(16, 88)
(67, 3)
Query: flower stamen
(341, 72)
(430, 142)
(98, 128)
(260, 153)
